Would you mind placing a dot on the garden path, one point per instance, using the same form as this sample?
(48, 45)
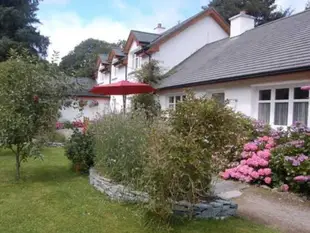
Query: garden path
(285, 211)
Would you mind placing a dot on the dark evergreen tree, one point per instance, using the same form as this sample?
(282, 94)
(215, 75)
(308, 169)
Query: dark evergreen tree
(17, 28)
(82, 60)
(263, 10)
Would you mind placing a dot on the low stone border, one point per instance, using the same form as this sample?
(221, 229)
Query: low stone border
(55, 144)
(115, 191)
(218, 208)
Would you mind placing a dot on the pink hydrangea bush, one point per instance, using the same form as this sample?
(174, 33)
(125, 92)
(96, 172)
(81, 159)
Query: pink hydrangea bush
(254, 166)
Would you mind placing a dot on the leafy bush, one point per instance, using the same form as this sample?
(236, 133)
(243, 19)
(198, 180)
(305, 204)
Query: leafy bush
(80, 150)
(56, 137)
(178, 164)
(290, 161)
(120, 144)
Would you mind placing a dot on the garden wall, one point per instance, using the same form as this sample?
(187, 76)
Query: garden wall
(217, 208)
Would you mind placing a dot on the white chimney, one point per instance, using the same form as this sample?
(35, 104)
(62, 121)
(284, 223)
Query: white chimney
(159, 29)
(241, 23)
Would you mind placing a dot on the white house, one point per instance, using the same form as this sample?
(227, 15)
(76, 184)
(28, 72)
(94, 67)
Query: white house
(259, 71)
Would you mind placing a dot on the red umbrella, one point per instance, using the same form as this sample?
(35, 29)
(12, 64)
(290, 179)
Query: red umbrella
(122, 88)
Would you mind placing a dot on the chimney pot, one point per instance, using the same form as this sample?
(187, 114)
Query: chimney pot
(159, 29)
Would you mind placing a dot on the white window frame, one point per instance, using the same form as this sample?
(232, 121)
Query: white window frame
(273, 101)
(173, 105)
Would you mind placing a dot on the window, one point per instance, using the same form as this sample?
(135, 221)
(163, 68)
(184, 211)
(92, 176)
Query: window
(220, 97)
(301, 105)
(173, 100)
(283, 106)
(136, 62)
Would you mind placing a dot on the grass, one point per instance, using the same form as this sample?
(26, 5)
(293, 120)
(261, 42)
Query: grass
(51, 198)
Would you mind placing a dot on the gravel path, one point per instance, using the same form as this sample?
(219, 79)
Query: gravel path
(284, 211)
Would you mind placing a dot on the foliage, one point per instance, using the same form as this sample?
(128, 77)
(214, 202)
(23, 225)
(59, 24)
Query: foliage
(120, 144)
(263, 11)
(307, 5)
(56, 137)
(290, 162)
(179, 162)
(17, 30)
(150, 73)
(80, 149)
(82, 60)
(31, 94)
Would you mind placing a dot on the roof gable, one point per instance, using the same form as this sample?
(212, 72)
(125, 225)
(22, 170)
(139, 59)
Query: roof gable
(282, 45)
(174, 31)
(139, 37)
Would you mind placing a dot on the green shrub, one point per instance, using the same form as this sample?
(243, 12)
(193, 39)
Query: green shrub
(56, 137)
(181, 154)
(120, 144)
(290, 159)
(80, 150)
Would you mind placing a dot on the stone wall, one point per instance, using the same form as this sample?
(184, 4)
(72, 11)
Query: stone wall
(115, 191)
(217, 208)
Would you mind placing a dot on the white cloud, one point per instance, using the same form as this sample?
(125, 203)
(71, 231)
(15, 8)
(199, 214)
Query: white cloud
(68, 29)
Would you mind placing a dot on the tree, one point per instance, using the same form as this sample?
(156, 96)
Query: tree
(264, 11)
(17, 30)
(82, 60)
(31, 93)
(150, 73)
(307, 5)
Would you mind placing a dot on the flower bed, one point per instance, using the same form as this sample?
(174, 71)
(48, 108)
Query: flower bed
(277, 160)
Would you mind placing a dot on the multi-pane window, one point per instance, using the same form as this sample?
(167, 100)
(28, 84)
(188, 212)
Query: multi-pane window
(173, 100)
(220, 97)
(283, 106)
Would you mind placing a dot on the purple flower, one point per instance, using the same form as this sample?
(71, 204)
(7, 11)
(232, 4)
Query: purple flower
(302, 178)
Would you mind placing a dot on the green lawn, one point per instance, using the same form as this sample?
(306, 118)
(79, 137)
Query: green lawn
(51, 198)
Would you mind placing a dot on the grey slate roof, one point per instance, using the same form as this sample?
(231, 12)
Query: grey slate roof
(146, 37)
(118, 51)
(104, 57)
(281, 45)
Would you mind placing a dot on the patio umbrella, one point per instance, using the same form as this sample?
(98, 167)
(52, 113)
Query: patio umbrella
(123, 88)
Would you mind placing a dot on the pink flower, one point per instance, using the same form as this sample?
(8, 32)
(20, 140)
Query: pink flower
(285, 188)
(225, 175)
(267, 171)
(255, 175)
(261, 172)
(261, 154)
(250, 147)
(302, 178)
(265, 138)
(248, 179)
(268, 146)
(243, 162)
(268, 180)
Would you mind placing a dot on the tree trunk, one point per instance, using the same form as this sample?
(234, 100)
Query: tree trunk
(17, 164)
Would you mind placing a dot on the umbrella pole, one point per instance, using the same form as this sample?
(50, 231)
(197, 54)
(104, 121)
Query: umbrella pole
(124, 104)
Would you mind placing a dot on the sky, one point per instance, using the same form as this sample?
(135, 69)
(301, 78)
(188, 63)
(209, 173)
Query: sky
(69, 22)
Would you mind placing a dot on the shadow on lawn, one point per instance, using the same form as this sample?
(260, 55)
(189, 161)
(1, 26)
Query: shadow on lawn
(53, 174)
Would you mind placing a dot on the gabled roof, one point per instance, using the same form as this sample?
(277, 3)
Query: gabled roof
(145, 37)
(156, 39)
(116, 51)
(276, 47)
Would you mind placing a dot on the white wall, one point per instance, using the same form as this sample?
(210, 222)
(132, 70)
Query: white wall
(102, 77)
(73, 114)
(241, 97)
(189, 41)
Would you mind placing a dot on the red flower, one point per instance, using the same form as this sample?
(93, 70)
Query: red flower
(36, 98)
